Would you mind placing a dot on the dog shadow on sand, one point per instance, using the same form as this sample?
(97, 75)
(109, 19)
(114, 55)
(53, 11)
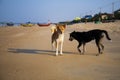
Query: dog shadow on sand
(35, 51)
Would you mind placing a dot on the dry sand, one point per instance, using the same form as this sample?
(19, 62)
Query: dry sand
(25, 54)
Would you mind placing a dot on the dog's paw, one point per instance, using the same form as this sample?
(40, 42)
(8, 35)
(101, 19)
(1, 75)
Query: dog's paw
(61, 54)
(111, 41)
(101, 52)
(97, 54)
(56, 54)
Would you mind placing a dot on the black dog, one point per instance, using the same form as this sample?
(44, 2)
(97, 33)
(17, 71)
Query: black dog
(84, 37)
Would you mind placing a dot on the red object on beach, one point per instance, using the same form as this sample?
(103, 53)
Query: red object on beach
(45, 25)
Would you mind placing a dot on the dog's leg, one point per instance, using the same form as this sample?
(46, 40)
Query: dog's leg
(98, 45)
(57, 48)
(79, 47)
(102, 46)
(61, 48)
(83, 48)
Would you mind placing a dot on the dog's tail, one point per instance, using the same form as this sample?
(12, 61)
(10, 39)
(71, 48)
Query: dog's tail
(107, 36)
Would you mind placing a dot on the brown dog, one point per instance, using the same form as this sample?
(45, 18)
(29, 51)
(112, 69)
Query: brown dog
(58, 36)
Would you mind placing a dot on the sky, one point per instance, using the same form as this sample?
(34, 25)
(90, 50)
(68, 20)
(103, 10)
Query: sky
(41, 11)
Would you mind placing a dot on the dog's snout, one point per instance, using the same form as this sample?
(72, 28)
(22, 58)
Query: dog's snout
(70, 39)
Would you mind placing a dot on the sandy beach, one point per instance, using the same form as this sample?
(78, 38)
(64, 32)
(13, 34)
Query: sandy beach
(26, 54)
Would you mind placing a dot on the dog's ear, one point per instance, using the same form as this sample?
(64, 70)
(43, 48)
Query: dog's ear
(56, 24)
(64, 25)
